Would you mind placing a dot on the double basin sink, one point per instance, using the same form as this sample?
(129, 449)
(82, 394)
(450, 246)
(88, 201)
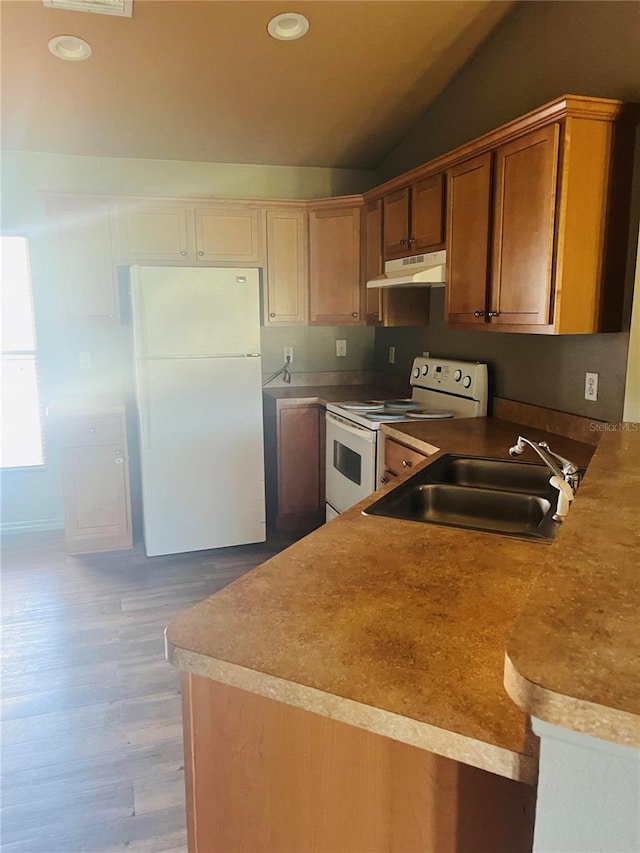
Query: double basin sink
(492, 495)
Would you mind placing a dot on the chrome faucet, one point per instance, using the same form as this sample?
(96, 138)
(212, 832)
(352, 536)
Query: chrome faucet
(565, 474)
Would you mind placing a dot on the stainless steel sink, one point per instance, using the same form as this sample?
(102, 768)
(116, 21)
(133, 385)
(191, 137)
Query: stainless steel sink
(492, 495)
(480, 472)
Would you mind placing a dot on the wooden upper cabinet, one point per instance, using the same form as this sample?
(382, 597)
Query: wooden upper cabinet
(373, 266)
(334, 266)
(403, 306)
(155, 234)
(468, 236)
(286, 271)
(396, 224)
(537, 227)
(414, 218)
(526, 175)
(84, 260)
(427, 215)
(229, 235)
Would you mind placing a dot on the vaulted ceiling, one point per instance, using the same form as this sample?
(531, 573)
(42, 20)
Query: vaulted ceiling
(183, 80)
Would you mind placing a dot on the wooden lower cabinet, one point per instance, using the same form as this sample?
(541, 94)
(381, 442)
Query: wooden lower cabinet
(265, 777)
(399, 459)
(294, 464)
(95, 484)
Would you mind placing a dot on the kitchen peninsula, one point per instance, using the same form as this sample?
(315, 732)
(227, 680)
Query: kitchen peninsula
(351, 688)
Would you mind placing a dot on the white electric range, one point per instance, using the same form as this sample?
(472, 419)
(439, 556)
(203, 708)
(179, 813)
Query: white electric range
(441, 388)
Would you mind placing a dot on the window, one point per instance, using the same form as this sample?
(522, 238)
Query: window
(21, 439)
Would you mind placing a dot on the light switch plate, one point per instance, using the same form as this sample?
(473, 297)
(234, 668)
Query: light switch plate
(392, 355)
(341, 348)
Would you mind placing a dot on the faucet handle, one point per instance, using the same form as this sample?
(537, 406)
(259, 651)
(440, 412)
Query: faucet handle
(570, 470)
(567, 466)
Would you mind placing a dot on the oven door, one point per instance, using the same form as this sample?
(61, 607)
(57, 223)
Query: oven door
(351, 462)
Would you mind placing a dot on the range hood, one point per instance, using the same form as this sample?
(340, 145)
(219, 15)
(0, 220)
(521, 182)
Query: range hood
(417, 271)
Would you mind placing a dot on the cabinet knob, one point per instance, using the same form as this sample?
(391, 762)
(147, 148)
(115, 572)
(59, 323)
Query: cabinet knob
(119, 460)
(403, 242)
(493, 313)
(354, 314)
(406, 463)
(201, 253)
(478, 313)
(412, 240)
(272, 314)
(184, 253)
(383, 479)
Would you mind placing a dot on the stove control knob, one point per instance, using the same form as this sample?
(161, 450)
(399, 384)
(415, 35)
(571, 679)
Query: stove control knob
(467, 381)
(425, 369)
(457, 375)
(416, 372)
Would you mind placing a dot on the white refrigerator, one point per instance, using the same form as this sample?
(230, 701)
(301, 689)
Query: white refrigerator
(196, 340)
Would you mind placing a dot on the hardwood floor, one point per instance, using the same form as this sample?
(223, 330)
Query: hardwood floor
(90, 714)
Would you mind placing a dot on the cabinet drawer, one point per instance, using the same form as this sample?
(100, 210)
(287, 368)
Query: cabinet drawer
(398, 458)
(78, 432)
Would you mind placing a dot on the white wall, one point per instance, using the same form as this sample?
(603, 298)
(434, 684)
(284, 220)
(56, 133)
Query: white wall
(588, 794)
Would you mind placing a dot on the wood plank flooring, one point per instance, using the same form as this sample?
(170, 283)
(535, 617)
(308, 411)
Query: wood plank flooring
(90, 724)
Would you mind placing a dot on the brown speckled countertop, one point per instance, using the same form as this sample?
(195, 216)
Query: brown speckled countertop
(573, 658)
(329, 393)
(396, 627)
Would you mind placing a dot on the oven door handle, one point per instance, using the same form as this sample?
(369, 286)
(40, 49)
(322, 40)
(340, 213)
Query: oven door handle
(361, 432)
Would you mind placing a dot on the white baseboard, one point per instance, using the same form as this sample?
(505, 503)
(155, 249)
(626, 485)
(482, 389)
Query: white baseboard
(37, 525)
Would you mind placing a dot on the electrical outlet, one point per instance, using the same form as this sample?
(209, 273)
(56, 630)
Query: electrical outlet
(341, 348)
(392, 355)
(84, 360)
(288, 355)
(591, 386)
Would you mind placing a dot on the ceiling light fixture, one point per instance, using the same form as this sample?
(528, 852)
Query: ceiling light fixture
(288, 26)
(72, 48)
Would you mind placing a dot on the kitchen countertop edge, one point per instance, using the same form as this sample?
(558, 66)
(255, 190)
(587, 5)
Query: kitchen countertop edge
(468, 750)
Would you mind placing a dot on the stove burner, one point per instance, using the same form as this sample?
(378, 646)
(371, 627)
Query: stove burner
(364, 406)
(429, 414)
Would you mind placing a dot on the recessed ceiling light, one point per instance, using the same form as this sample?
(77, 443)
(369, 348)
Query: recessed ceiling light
(70, 47)
(288, 26)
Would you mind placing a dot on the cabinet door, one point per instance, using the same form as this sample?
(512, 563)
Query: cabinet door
(396, 224)
(96, 498)
(373, 260)
(228, 235)
(155, 234)
(334, 263)
(86, 270)
(300, 449)
(427, 215)
(286, 272)
(468, 235)
(525, 199)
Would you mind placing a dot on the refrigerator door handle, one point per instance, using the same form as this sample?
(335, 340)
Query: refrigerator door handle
(144, 402)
